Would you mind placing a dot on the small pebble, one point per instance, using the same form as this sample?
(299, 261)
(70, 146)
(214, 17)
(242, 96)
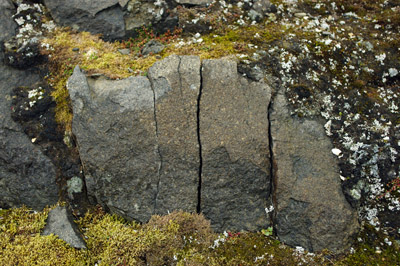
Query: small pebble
(124, 51)
(337, 152)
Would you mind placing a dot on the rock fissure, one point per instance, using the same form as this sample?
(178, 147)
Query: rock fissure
(199, 142)
(180, 76)
(272, 170)
(202, 138)
(158, 152)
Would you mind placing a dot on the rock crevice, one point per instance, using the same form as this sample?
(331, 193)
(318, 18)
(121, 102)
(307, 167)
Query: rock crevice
(199, 137)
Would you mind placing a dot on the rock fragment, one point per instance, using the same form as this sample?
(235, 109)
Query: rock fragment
(235, 179)
(60, 222)
(103, 16)
(176, 84)
(116, 133)
(311, 210)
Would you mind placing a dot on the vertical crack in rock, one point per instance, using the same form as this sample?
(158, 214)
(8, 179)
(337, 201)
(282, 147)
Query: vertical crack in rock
(180, 76)
(235, 151)
(176, 82)
(199, 141)
(273, 168)
(157, 148)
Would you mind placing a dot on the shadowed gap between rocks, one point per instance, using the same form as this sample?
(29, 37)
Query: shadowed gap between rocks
(206, 139)
(272, 169)
(200, 148)
(158, 145)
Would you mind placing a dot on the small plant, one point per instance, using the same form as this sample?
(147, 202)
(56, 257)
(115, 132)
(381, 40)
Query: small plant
(392, 186)
(267, 232)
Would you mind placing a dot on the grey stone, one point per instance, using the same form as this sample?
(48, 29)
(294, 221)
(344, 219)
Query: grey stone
(7, 24)
(142, 13)
(259, 9)
(311, 210)
(115, 129)
(176, 84)
(123, 3)
(153, 47)
(235, 148)
(103, 16)
(27, 176)
(60, 222)
(124, 51)
(194, 2)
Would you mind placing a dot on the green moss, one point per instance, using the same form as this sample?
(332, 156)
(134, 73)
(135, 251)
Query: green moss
(22, 244)
(178, 238)
(372, 249)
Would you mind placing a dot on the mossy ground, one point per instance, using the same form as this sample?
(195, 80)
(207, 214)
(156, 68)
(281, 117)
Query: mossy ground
(176, 239)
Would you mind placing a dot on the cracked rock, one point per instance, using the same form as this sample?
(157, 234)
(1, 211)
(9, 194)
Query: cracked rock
(176, 84)
(115, 129)
(235, 148)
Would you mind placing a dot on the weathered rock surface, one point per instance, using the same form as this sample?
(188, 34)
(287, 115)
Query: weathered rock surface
(104, 16)
(196, 136)
(152, 47)
(61, 223)
(176, 84)
(27, 176)
(311, 209)
(235, 148)
(7, 24)
(116, 133)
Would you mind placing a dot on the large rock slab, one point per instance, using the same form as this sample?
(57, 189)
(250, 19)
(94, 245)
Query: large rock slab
(100, 16)
(176, 84)
(27, 176)
(115, 129)
(61, 223)
(235, 148)
(311, 210)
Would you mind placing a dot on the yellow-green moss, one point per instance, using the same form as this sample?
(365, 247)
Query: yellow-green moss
(22, 244)
(100, 57)
(178, 238)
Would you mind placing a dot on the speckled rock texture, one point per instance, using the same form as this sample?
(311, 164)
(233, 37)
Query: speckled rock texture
(105, 16)
(61, 223)
(7, 25)
(235, 148)
(116, 133)
(176, 84)
(27, 176)
(139, 142)
(311, 210)
(196, 136)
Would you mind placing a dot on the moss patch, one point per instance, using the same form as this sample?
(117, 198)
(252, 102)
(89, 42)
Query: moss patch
(176, 239)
